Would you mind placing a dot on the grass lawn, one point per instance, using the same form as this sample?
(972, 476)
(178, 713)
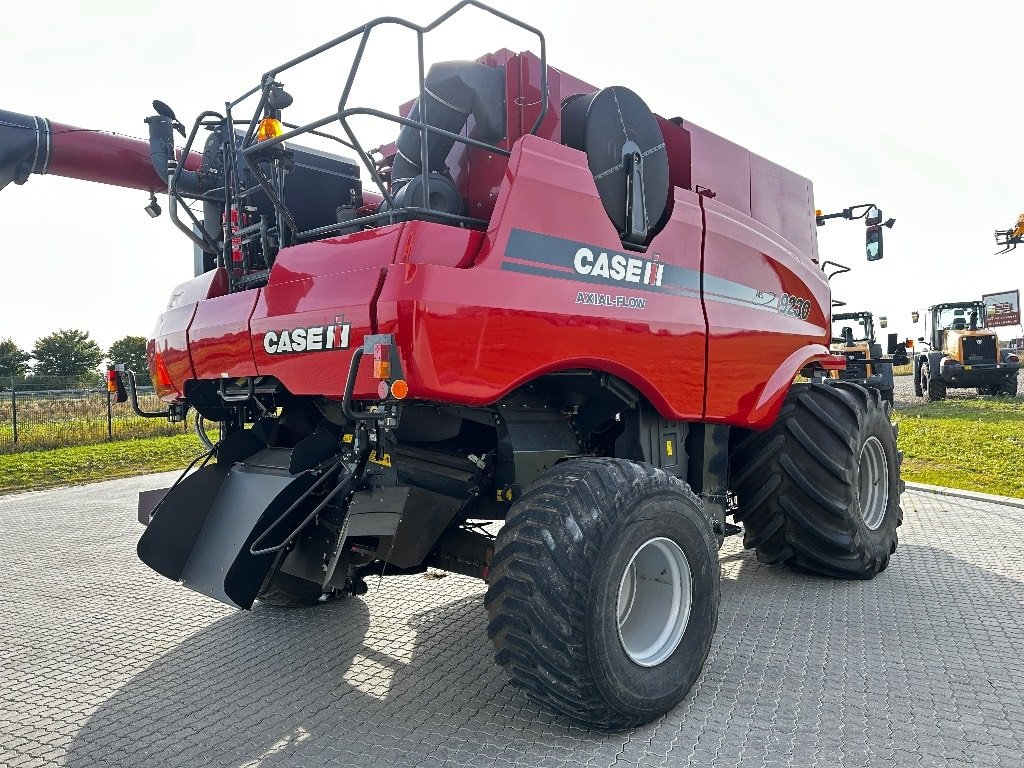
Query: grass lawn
(33, 470)
(975, 445)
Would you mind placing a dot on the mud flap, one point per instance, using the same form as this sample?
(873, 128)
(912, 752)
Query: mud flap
(202, 533)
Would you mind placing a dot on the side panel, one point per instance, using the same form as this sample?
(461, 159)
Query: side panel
(323, 307)
(754, 326)
(535, 302)
(170, 342)
(219, 336)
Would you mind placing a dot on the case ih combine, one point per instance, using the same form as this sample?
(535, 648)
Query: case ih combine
(536, 306)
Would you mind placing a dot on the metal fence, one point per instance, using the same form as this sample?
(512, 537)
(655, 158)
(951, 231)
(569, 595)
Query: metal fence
(33, 419)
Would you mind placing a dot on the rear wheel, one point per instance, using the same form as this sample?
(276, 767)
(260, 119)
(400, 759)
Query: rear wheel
(819, 490)
(604, 591)
(932, 384)
(918, 389)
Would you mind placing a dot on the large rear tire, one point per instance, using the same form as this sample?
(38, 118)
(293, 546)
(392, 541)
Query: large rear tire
(820, 489)
(604, 591)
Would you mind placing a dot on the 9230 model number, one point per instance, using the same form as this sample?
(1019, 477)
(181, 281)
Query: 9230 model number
(794, 306)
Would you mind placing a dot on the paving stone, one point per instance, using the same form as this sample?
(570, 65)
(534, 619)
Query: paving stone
(104, 663)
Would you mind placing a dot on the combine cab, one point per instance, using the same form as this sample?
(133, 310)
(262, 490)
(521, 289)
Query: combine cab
(963, 354)
(529, 307)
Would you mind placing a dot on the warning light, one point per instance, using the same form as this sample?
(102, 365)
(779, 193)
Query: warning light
(111, 380)
(399, 389)
(269, 128)
(162, 376)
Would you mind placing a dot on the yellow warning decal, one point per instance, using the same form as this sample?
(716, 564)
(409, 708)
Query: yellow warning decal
(668, 447)
(384, 462)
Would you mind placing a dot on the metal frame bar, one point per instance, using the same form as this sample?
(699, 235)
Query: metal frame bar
(250, 151)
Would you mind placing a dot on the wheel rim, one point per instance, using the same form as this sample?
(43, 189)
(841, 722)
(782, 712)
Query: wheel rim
(653, 606)
(874, 483)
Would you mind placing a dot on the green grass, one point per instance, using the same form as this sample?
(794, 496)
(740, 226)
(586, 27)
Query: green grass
(975, 445)
(32, 470)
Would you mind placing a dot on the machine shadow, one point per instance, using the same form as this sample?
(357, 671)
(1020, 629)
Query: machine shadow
(409, 673)
(285, 686)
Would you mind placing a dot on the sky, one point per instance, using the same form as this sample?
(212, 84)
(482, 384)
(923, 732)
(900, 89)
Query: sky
(910, 105)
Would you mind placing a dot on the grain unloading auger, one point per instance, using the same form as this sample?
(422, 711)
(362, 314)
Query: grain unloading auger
(537, 305)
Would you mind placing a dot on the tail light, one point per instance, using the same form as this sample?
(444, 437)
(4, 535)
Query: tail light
(160, 373)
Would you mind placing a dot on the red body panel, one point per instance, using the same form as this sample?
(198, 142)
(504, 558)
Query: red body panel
(170, 341)
(218, 337)
(700, 321)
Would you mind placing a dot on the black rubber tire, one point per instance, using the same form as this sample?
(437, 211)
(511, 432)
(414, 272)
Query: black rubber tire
(933, 386)
(1007, 387)
(986, 391)
(918, 389)
(555, 577)
(889, 396)
(286, 591)
(798, 483)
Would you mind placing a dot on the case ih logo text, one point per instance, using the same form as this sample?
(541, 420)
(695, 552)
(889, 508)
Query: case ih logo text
(620, 268)
(311, 339)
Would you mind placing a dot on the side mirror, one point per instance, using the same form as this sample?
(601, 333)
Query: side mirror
(883, 321)
(873, 242)
(915, 316)
(920, 338)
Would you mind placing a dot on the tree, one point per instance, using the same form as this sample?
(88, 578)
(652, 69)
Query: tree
(131, 350)
(69, 354)
(13, 360)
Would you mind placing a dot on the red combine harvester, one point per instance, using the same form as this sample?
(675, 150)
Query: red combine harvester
(537, 306)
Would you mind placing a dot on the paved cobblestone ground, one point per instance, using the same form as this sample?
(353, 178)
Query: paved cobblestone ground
(103, 663)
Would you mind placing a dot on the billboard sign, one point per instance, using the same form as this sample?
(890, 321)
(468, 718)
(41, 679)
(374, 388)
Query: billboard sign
(1002, 308)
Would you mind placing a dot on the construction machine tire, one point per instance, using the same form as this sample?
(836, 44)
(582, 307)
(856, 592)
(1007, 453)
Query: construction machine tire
(918, 389)
(889, 397)
(604, 591)
(286, 591)
(1007, 387)
(986, 391)
(820, 489)
(933, 386)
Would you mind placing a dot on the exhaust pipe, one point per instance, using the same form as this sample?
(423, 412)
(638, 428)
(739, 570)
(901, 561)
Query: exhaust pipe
(30, 144)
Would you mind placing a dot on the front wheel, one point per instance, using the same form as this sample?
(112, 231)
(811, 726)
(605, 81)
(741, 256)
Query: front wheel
(819, 490)
(932, 384)
(1008, 387)
(604, 591)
